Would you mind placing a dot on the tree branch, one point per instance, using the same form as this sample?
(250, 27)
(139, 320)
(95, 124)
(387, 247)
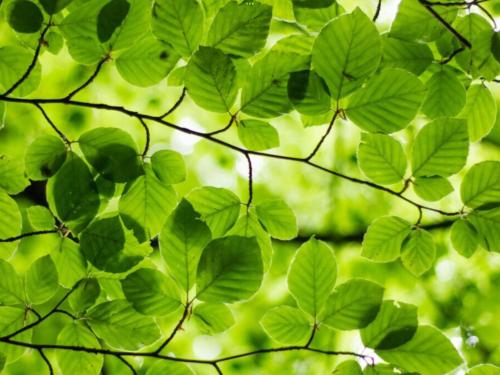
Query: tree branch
(320, 143)
(52, 125)
(176, 329)
(148, 136)
(46, 360)
(231, 120)
(250, 180)
(90, 79)
(29, 234)
(176, 104)
(377, 11)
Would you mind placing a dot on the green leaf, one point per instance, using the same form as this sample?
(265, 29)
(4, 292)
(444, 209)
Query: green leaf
(182, 240)
(111, 17)
(3, 360)
(312, 275)
(349, 367)
(54, 6)
(10, 219)
(11, 285)
(440, 148)
(445, 95)
(40, 218)
(286, 324)
(381, 158)
(395, 324)
(169, 166)
(151, 292)
(170, 368)
(107, 245)
(486, 369)
(85, 295)
(432, 188)
(78, 362)
(14, 61)
(25, 16)
(41, 280)
(429, 352)
(44, 157)
(147, 62)
(12, 178)
(230, 270)
(218, 207)
(308, 93)
(211, 80)
(213, 318)
(315, 18)
(464, 238)
(481, 184)
(278, 219)
(312, 3)
(11, 320)
(132, 30)
(70, 263)
(258, 135)
(495, 45)
(72, 194)
(108, 150)
(418, 252)
(479, 111)
(384, 237)
(346, 52)
(296, 43)
(379, 369)
(487, 223)
(146, 204)
(121, 327)
(412, 56)
(179, 22)
(353, 305)
(240, 29)
(388, 102)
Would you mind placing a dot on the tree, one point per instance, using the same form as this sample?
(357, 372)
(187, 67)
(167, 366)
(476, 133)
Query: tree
(113, 247)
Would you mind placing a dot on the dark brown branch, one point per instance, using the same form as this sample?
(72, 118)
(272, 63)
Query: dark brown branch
(488, 14)
(29, 234)
(47, 361)
(218, 369)
(176, 329)
(320, 143)
(64, 312)
(176, 104)
(250, 180)
(377, 11)
(90, 79)
(452, 55)
(127, 363)
(148, 136)
(52, 125)
(222, 130)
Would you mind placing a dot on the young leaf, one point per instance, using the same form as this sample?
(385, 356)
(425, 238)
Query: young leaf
(353, 305)
(486, 369)
(77, 362)
(213, 318)
(121, 327)
(151, 292)
(346, 52)
(349, 367)
(171, 368)
(182, 239)
(11, 320)
(111, 17)
(479, 111)
(211, 80)
(54, 6)
(278, 219)
(25, 16)
(418, 252)
(395, 324)
(308, 93)
(240, 29)
(481, 184)
(41, 280)
(44, 157)
(11, 285)
(70, 263)
(12, 178)
(10, 219)
(445, 95)
(440, 148)
(85, 295)
(258, 135)
(179, 22)
(412, 56)
(169, 166)
(40, 218)
(381, 158)
(312, 275)
(464, 238)
(230, 270)
(288, 325)
(432, 188)
(388, 102)
(382, 242)
(429, 352)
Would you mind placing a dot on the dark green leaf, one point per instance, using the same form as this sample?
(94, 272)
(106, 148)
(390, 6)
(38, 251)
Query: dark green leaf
(308, 93)
(25, 16)
(110, 17)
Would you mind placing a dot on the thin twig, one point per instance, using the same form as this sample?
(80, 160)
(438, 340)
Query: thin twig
(52, 125)
(222, 130)
(90, 79)
(148, 136)
(29, 234)
(488, 14)
(46, 360)
(311, 337)
(250, 180)
(452, 3)
(377, 11)
(218, 369)
(320, 143)
(176, 329)
(64, 312)
(132, 369)
(452, 55)
(176, 104)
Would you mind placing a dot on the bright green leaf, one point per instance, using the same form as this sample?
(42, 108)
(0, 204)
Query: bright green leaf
(315, 18)
(70, 263)
(213, 318)
(14, 61)
(169, 166)
(41, 280)
(10, 219)
(349, 367)
(432, 188)
(11, 285)
(308, 93)
(40, 218)
(382, 242)
(288, 325)
(445, 95)
(487, 223)
(85, 295)
(12, 178)
(481, 184)
(170, 368)
(258, 135)
(278, 219)
(44, 157)
(464, 238)
(418, 252)
(480, 111)
(412, 56)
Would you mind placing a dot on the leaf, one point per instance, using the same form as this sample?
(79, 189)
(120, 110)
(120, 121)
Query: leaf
(146, 204)
(169, 166)
(445, 95)
(110, 17)
(315, 18)
(432, 188)
(41, 280)
(108, 247)
(353, 305)
(11, 285)
(179, 22)
(464, 238)
(45, 155)
(349, 367)
(388, 102)
(240, 29)
(308, 93)
(12, 178)
(381, 158)
(78, 362)
(479, 111)
(485, 369)
(132, 30)
(218, 207)
(182, 240)
(10, 219)
(395, 324)
(481, 184)
(40, 218)
(121, 327)
(495, 45)
(213, 318)
(54, 6)
(440, 148)
(72, 194)
(150, 292)
(14, 61)
(230, 270)
(25, 17)
(346, 52)
(286, 324)
(429, 352)
(278, 219)
(69, 262)
(170, 368)
(211, 80)
(299, 44)
(487, 223)
(147, 62)
(108, 150)
(384, 237)
(418, 252)
(258, 135)
(312, 275)
(85, 295)
(11, 320)
(412, 56)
